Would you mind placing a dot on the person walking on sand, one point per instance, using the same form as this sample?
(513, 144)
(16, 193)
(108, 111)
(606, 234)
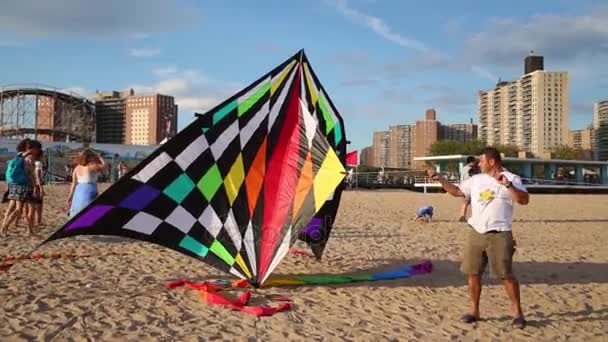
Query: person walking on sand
(84, 180)
(493, 194)
(469, 170)
(122, 169)
(33, 207)
(21, 184)
(38, 197)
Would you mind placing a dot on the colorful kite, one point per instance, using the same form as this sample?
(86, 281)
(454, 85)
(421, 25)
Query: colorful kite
(331, 123)
(236, 187)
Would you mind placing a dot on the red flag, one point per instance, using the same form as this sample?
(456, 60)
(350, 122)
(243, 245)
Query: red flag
(352, 158)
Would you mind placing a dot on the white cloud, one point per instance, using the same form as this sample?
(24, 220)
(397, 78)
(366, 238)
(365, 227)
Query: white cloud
(139, 36)
(174, 86)
(199, 104)
(377, 25)
(560, 37)
(193, 91)
(78, 90)
(165, 71)
(144, 52)
(483, 73)
(426, 59)
(94, 19)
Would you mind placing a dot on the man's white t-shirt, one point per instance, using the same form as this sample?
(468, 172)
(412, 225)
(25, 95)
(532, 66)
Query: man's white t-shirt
(491, 203)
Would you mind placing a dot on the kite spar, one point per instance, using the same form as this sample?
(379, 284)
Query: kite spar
(237, 186)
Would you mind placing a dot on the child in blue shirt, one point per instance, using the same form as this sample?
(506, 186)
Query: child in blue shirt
(425, 213)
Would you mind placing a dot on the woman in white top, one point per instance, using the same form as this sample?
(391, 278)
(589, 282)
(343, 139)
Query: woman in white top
(84, 181)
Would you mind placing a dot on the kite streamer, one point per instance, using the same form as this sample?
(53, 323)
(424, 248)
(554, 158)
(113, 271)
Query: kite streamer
(212, 294)
(404, 271)
(300, 252)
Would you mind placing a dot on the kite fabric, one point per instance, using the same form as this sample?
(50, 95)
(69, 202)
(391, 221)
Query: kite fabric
(237, 186)
(401, 272)
(330, 121)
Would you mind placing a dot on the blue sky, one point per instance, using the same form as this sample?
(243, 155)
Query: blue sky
(383, 62)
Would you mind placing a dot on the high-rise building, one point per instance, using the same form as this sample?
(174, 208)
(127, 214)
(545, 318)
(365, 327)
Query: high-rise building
(380, 147)
(460, 132)
(426, 134)
(600, 125)
(531, 113)
(110, 113)
(367, 156)
(127, 118)
(582, 139)
(402, 143)
(533, 63)
(150, 119)
(401, 138)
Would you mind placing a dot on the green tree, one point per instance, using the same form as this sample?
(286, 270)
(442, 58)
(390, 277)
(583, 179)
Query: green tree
(473, 147)
(508, 150)
(566, 152)
(451, 147)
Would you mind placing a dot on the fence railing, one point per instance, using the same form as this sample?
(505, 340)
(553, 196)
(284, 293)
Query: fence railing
(410, 179)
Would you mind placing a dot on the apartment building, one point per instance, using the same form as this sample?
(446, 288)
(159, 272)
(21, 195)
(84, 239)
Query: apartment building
(531, 113)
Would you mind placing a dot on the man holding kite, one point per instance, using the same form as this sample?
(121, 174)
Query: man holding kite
(492, 194)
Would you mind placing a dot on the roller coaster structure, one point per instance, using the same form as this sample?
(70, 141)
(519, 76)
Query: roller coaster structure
(45, 113)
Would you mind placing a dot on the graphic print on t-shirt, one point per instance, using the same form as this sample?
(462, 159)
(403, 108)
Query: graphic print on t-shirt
(486, 196)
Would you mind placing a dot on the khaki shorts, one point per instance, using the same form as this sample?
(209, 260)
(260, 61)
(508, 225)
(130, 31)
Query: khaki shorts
(497, 247)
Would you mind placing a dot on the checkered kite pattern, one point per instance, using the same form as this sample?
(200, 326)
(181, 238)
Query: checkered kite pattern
(236, 187)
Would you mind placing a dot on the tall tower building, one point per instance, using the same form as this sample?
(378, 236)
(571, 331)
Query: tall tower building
(380, 148)
(600, 125)
(583, 140)
(127, 118)
(459, 132)
(367, 156)
(150, 119)
(401, 144)
(531, 113)
(426, 134)
(110, 113)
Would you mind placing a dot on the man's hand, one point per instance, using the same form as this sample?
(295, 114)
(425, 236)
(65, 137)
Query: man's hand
(447, 186)
(521, 197)
(502, 179)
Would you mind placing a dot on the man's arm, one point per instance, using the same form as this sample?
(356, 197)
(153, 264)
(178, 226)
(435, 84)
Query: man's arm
(520, 196)
(447, 186)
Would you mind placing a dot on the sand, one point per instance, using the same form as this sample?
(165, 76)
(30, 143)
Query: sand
(562, 263)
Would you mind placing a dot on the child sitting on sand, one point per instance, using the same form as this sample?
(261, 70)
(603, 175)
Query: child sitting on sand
(425, 213)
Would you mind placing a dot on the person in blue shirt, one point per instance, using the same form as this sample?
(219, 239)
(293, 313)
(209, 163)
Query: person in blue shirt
(425, 213)
(22, 184)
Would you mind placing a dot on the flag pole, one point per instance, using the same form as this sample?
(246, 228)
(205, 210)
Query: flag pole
(357, 176)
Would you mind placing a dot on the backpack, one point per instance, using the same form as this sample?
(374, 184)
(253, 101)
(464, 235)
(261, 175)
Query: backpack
(15, 171)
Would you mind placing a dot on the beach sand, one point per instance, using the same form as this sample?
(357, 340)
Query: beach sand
(118, 293)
